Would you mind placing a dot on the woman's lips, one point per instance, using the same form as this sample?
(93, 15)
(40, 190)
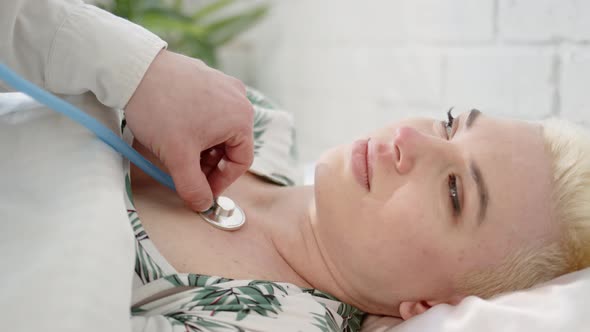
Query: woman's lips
(360, 163)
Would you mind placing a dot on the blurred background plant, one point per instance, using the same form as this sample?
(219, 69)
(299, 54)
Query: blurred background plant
(198, 34)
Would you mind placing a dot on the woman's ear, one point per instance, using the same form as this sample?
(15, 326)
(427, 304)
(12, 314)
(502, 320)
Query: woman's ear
(410, 309)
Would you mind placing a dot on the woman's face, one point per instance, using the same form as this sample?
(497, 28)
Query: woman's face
(437, 204)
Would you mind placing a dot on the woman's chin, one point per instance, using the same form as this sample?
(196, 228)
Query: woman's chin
(329, 165)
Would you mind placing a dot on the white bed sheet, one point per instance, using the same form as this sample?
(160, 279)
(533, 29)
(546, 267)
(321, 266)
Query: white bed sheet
(63, 228)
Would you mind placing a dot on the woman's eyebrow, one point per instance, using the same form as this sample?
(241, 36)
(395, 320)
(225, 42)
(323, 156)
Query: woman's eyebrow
(475, 172)
(473, 114)
(481, 190)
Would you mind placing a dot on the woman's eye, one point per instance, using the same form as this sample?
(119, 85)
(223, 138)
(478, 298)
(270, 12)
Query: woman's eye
(452, 181)
(454, 195)
(448, 124)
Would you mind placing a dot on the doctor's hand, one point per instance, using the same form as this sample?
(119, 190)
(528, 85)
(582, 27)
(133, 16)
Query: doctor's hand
(197, 121)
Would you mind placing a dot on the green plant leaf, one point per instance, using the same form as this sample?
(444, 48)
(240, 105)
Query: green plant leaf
(197, 35)
(177, 5)
(124, 8)
(210, 9)
(161, 21)
(141, 5)
(195, 48)
(223, 30)
(171, 13)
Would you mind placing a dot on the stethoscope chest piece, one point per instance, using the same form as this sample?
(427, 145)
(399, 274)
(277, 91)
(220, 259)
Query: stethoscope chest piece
(224, 214)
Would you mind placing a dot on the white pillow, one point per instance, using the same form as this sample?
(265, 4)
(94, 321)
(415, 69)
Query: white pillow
(66, 247)
(559, 305)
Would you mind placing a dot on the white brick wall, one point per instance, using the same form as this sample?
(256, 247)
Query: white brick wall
(507, 81)
(460, 21)
(351, 66)
(374, 22)
(574, 87)
(544, 20)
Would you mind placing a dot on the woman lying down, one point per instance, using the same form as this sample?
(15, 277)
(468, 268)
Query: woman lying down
(417, 213)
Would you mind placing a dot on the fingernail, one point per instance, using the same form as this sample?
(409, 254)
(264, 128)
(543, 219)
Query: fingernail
(202, 205)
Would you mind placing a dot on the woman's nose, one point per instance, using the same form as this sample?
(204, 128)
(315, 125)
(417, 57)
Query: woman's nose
(409, 145)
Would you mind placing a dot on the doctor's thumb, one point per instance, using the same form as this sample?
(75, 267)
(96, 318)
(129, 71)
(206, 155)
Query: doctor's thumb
(192, 185)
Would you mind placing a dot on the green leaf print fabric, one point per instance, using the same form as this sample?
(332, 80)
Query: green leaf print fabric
(165, 300)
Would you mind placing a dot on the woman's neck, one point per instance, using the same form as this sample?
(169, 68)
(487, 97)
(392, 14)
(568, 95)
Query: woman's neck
(295, 241)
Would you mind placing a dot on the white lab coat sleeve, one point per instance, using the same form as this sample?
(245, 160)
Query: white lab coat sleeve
(69, 47)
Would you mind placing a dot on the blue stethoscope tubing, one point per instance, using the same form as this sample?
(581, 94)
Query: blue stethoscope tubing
(106, 135)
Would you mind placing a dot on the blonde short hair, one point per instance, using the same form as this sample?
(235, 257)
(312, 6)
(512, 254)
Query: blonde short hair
(568, 146)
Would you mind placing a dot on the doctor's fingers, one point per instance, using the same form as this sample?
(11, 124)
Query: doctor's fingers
(237, 158)
(190, 180)
(210, 158)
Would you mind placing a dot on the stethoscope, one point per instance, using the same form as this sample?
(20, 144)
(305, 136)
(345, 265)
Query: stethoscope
(224, 214)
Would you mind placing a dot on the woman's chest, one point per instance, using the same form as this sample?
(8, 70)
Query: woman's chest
(191, 245)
